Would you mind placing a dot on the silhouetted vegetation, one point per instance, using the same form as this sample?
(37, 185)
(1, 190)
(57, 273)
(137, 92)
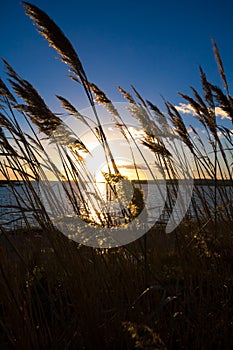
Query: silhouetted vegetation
(163, 291)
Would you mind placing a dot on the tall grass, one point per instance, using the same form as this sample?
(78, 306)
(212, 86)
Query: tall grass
(160, 292)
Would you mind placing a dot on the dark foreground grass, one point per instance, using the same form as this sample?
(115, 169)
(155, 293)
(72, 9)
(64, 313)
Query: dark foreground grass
(160, 292)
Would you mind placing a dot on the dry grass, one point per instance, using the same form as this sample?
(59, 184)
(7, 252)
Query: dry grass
(160, 292)
(58, 295)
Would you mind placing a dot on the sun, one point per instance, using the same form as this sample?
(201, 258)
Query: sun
(125, 168)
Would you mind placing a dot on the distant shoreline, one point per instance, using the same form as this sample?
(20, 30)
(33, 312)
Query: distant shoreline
(6, 182)
(200, 182)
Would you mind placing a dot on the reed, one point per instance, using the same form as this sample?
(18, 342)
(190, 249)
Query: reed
(159, 292)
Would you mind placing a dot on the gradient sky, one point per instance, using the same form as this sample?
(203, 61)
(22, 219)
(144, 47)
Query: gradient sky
(155, 45)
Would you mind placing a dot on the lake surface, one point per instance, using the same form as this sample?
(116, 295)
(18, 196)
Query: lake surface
(157, 197)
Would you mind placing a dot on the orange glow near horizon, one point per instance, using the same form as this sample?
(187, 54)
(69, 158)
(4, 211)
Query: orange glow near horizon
(126, 169)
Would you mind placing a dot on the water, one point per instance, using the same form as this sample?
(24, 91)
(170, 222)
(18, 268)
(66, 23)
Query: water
(156, 197)
(14, 200)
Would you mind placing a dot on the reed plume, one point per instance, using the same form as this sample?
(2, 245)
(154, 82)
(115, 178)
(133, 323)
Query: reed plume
(182, 282)
(5, 93)
(102, 99)
(220, 65)
(126, 95)
(179, 125)
(56, 39)
(161, 121)
(72, 110)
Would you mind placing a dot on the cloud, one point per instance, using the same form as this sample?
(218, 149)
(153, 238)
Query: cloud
(190, 130)
(131, 166)
(221, 113)
(186, 108)
(220, 134)
(136, 132)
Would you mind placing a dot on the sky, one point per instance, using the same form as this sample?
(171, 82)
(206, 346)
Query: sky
(157, 46)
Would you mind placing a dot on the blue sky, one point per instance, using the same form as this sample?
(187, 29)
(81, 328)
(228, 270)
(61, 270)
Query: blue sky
(155, 45)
